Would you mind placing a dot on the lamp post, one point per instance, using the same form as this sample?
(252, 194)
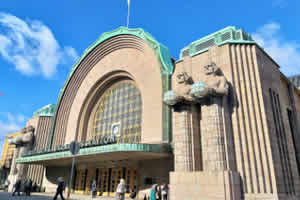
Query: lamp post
(74, 148)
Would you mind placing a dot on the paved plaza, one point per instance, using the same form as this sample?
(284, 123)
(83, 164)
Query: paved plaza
(47, 196)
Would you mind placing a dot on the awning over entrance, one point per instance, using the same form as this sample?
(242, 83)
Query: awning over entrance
(113, 152)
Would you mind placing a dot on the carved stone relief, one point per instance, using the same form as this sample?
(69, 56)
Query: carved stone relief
(213, 84)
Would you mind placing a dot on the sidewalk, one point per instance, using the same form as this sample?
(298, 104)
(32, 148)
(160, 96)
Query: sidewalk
(48, 196)
(75, 196)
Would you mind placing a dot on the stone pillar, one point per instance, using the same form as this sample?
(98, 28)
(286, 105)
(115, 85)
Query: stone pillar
(204, 167)
(12, 177)
(187, 148)
(213, 134)
(182, 138)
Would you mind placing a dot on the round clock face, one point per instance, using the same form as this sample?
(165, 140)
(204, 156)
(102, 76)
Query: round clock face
(116, 130)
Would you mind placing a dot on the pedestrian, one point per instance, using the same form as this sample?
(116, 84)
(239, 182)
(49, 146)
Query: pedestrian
(153, 192)
(94, 189)
(28, 187)
(17, 187)
(158, 193)
(165, 191)
(121, 189)
(6, 185)
(60, 188)
(34, 187)
(132, 194)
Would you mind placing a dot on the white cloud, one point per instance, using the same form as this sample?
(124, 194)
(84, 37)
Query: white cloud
(31, 47)
(286, 53)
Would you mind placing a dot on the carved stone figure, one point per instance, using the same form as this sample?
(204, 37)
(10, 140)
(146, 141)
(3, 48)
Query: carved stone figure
(213, 84)
(215, 81)
(25, 139)
(182, 92)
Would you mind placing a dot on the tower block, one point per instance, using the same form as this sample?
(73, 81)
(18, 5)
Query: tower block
(203, 148)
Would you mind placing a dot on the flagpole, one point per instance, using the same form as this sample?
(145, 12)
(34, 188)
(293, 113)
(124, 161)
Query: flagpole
(128, 15)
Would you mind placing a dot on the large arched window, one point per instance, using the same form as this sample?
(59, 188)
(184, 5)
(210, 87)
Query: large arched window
(119, 112)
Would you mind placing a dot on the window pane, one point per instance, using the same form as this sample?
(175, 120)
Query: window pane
(120, 104)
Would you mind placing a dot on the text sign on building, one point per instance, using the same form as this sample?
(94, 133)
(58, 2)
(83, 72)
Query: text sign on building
(107, 140)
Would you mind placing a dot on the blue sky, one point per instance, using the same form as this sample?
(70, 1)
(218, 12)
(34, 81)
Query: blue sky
(41, 40)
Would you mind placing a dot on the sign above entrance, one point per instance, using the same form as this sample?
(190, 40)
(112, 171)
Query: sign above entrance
(104, 140)
(101, 141)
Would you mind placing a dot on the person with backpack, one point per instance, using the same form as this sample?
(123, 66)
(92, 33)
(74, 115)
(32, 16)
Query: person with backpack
(60, 188)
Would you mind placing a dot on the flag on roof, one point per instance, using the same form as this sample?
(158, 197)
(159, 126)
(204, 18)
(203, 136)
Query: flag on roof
(128, 3)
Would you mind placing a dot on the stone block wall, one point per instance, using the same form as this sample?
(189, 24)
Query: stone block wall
(218, 185)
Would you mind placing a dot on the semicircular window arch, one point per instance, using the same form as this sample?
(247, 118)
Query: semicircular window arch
(119, 113)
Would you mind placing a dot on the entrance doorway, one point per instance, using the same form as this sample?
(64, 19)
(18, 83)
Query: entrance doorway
(107, 180)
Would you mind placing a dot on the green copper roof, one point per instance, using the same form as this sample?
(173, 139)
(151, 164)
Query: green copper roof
(153, 148)
(229, 34)
(47, 110)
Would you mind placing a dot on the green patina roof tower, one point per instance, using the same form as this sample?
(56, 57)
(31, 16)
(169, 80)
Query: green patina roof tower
(227, 35)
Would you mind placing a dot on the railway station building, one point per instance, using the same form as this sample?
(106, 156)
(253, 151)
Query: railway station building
(221, 122)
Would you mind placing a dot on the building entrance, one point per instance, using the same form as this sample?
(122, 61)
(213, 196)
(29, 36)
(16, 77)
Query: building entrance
(107, 180)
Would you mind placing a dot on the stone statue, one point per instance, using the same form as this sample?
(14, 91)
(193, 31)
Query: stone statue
(182, 92)
(215, 80)
(214, 84)
(25, 139)
(23, 143)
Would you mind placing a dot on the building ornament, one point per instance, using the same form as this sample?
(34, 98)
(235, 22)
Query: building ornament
(187, 92)
(25, 139)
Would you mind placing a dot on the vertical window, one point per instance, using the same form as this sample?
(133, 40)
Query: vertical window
(119, 113)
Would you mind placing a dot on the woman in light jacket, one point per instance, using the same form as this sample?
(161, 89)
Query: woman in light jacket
(121, 189)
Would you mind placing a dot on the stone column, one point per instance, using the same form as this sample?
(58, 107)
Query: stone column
(186, 136)
(213, 134)
(23, 168)
(12, 177)
(182, 138)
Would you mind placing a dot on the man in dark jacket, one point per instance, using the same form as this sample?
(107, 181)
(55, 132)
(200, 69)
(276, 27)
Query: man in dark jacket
(60, 188)
(17, 187)
(28, 187)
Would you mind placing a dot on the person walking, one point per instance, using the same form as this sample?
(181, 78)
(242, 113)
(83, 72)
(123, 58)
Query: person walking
(121, 189)
(165, 191)
(60, 188)
(17, 187)
(94, 189)
(34, 187)
(6, 185)
(28, 187)
(153, 192)
(158, 193)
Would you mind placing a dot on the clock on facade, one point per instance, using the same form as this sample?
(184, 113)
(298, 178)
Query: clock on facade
(115, 129)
